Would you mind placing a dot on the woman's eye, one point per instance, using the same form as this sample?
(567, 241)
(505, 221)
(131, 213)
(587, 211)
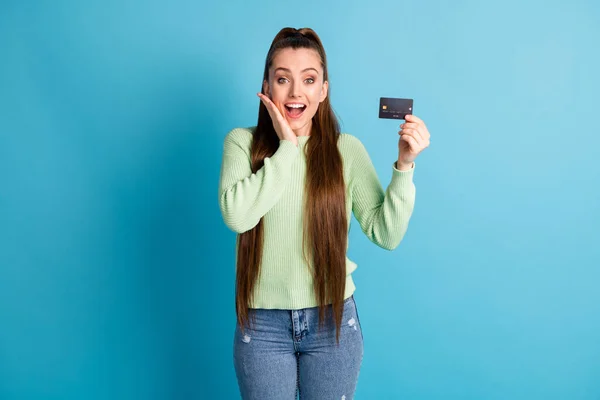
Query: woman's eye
(283, 80)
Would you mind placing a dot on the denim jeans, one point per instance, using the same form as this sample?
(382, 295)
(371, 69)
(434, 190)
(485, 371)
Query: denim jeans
(285, 354)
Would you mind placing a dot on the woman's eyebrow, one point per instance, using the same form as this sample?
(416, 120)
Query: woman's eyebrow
(304, 70)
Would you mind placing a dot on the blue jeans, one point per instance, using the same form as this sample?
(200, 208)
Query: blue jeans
(285, 354)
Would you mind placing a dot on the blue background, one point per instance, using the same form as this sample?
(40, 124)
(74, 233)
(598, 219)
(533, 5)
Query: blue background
(117, 272)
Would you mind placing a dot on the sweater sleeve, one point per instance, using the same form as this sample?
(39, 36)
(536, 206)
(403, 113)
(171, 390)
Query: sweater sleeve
(245, 197)
(383, 216)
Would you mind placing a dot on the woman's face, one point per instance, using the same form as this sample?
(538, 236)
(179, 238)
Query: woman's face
(296, 78)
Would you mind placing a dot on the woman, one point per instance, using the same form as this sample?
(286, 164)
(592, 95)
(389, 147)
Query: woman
(288, 186)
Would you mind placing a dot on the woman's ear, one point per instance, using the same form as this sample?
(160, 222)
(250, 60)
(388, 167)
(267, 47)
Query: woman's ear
(324, 90)
(266, 90)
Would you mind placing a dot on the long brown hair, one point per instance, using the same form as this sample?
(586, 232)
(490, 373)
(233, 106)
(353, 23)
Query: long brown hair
(325, 219)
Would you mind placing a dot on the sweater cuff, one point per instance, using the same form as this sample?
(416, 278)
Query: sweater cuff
(402, 178)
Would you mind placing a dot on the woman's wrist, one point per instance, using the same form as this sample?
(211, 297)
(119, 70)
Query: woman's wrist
(400, 166)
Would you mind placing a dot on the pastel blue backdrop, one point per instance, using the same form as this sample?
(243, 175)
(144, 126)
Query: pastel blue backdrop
(117, 272)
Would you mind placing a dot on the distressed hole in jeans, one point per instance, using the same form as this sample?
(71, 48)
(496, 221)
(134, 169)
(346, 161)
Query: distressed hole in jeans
(352, 322)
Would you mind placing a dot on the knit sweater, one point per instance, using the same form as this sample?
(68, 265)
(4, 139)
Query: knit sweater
(275, 193)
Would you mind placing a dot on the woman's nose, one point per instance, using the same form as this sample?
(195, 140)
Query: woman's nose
(295, 89)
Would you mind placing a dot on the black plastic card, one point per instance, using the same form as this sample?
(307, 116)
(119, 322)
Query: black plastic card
(394, 108)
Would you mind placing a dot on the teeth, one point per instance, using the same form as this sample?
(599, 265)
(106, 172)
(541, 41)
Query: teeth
(295, 105)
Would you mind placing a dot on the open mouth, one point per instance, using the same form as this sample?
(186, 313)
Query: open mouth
(295, 112)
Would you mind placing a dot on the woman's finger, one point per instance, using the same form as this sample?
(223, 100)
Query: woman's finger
(412, 118)
(413, 136)
(412, 132)
(414, 145)
(409, 125)
(273, 111)
(419, 128)
(422, 127)
(266, 101)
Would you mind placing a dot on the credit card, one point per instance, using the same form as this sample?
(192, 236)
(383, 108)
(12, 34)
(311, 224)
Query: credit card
(394, 108)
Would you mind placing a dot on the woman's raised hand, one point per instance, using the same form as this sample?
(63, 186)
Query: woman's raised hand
(282, 127)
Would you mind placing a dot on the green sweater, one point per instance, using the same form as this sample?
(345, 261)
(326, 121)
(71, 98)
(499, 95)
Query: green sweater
(275, 192)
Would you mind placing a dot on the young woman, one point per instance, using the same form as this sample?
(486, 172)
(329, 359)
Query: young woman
(288, 187)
